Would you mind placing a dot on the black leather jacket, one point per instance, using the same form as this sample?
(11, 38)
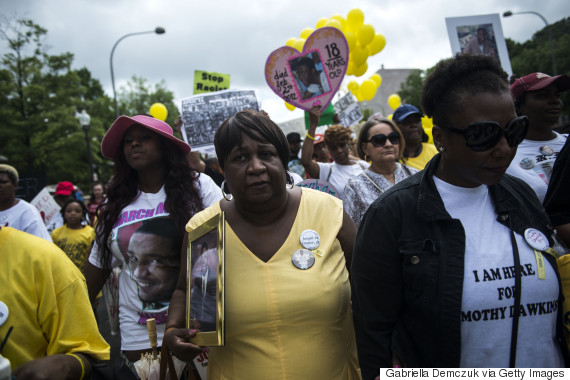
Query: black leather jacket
(407, 271)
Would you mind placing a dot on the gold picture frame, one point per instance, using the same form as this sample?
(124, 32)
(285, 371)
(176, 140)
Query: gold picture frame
(205, 293)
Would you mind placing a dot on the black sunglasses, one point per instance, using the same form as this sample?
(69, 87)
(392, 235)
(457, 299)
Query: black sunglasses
(484, 135)
(380, 140)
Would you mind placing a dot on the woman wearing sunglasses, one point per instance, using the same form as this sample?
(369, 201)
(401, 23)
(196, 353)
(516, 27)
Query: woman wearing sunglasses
(451, 267)
(381, 143)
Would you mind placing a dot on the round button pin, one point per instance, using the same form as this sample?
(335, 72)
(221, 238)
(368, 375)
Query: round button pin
(415, 260)
(546, 150)
(310, 239)
(303, 259)
(3, 313)
(526, 163)
(536, 239)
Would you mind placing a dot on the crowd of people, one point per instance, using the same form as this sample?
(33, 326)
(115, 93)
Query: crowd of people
(430, 254)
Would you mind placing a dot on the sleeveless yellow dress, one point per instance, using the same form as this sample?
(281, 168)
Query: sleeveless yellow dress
(283, 322)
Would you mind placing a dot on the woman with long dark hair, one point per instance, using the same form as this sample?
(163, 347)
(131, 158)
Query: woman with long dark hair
(152, 179)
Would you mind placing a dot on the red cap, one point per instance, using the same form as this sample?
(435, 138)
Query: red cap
(538, 81)
(64, 188)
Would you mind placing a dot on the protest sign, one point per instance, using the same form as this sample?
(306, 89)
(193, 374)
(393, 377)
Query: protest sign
(202, 115)
(46, 205)
(313, 76)
(210, 82)
(319, 185)
(347, 110)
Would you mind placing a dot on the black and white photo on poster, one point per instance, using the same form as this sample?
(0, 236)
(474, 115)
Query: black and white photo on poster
(202, 114)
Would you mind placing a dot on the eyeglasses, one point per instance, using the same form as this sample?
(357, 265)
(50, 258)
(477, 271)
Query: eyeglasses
(380, 140)
(484, 135)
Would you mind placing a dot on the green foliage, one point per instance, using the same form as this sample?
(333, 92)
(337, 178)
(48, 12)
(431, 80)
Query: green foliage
(39, 97)
(531, 56)
(137, 97)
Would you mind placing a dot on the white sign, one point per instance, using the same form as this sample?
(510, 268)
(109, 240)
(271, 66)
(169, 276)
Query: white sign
(46, 205)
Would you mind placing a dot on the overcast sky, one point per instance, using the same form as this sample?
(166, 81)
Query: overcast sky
(236, 36)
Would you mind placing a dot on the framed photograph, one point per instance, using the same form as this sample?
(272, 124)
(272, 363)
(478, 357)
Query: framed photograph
(311, 79)
(479, 35)
(205, 283)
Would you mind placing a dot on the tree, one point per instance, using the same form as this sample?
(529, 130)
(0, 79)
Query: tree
(39, 97)
(528, 57)
(138, 95)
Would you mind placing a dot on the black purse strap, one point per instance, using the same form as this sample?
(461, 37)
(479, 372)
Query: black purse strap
(515, 329)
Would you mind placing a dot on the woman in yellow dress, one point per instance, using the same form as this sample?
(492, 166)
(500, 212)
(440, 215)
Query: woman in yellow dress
(287, 302)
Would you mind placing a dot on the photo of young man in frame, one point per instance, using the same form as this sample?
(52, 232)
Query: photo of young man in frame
(310, 76)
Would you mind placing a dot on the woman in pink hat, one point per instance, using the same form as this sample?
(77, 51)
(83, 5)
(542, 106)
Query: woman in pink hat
(152, 179)
(537, 96)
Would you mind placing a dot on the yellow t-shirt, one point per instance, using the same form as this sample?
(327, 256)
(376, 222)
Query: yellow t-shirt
(47, 301)
(282, 322)
(75, 243)
(419, 162)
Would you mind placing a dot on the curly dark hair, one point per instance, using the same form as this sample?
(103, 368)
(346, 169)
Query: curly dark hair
(455, 78)
(182, 196)
(73, 200)
(337, 135)
(257, 126)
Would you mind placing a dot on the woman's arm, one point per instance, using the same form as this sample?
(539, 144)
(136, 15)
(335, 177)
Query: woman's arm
(376, 279)
(95, 278)
(346, 236)
(311, 166)
(176, 335)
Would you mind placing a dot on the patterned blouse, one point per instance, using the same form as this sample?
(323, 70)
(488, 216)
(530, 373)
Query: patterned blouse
(360, 192)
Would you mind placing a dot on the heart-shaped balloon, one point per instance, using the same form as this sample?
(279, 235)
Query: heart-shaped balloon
(313, 76)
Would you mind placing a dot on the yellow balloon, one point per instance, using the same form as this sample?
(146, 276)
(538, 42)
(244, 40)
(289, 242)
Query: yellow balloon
(334, 23)
(290, 107)
(305, 33)
(350, 39)
(340, 19)
(350, 68)
(377, 79)
(361, 70)
(322, 21)
(377, 44)
(354, 19)
(394, 101)
(359, 96)
(360, 55)
(299, 44)
(365, 34)
(352, 86)
(158, 111)
(368, 89)
(290, 42)
(390, 116)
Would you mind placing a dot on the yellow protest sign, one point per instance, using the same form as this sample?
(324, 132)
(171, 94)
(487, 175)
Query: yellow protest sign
(209, 82)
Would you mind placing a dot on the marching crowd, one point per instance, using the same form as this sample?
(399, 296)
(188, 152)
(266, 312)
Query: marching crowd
(438, 254)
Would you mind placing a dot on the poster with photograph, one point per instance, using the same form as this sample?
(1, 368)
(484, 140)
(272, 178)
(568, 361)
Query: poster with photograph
(479, 35)
(205, 303)
(202, 114)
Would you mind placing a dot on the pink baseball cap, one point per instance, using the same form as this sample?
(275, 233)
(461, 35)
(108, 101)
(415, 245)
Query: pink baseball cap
(114, 136)
(538, 81)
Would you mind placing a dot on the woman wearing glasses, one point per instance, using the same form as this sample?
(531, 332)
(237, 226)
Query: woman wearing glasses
(451, 267)
(380, 142)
